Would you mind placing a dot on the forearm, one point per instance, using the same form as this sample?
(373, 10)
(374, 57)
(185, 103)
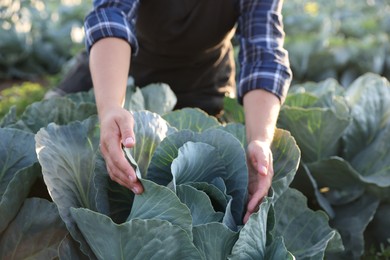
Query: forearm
(261, 112)
(109, 65)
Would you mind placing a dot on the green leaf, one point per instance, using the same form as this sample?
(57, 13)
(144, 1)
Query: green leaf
(317, 131)
(218, 198)
(16, 192)
(286, 158)
(67, 155)
(229, 150)
(69, 249)
(59, 110)
(159, 98)
(233, 112)
(199, 203)
(369, 98)
(303, 100)
(150, 129)
(351, 221)
(197, 162)
(214, 240)
(36, 232)
(373, 162)
(159, 202)
(138, 239)
(17, 173)
(191, 118)
(134, 100)
(237, 130)
(340, 178)
(277, 250)
(306, 233)
(251, 243)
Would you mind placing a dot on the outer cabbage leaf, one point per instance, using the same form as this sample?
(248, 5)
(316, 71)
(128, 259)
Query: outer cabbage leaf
(159, 98)
(16, 192)
(306, 233)
(10, 118)
(67, 155)
(351, 221)
(237, 130)
(373, 162)
(342, 180)
(191, 118)
(233, 112)
(138, 239)
(214, 240)
(82, 97)
(369, 98)
(286, 158)
(69, 249)
(326, 87)
(159, 202)
(134, 100)
(317, 131)
(17, 155)
(229, 150)
(36, 232)
(59, 110)
(251, 243)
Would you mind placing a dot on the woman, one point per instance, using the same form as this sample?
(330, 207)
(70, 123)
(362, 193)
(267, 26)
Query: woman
(187, 44)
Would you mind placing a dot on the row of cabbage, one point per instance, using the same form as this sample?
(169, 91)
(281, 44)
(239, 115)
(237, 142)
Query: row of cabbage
(343, 133)
(57, 200)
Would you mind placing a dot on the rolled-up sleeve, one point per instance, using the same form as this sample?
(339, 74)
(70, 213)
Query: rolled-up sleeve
(111, 18)
(264, 62)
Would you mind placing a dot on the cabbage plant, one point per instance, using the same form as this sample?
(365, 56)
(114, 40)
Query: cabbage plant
(343, 135)
(194, 172)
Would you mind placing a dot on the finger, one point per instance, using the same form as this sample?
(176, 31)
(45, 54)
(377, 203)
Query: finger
(126, 125)
(129, 181)
(119, 168)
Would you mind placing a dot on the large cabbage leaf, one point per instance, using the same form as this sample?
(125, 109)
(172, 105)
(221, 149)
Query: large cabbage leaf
(159, 202)
(137, 239)
(17, 160)
(67, 155)
(191, 118)
(59, 110)
(35, 232)
(306, 233)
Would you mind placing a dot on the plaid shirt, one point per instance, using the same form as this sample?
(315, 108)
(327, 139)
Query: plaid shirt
(264, 63)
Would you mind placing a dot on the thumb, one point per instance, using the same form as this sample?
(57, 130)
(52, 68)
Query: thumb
(126, 125)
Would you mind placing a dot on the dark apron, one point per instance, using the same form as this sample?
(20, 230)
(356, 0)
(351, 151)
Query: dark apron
(187, 44)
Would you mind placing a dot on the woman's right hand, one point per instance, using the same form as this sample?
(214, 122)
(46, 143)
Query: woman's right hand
(116, 129)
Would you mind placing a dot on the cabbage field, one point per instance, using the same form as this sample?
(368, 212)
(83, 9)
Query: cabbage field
(330, 196)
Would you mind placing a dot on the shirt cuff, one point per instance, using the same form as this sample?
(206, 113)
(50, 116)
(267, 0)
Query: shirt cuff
(274, 78)
(109, 22)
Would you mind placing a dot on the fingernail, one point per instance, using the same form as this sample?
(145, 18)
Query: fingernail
(263, 170)
(129, 141)
(135, 190)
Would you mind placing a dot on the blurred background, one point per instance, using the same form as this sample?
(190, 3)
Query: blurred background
(326, 39)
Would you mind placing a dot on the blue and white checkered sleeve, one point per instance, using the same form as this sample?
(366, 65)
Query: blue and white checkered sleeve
(264, 62)
(111, 18)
